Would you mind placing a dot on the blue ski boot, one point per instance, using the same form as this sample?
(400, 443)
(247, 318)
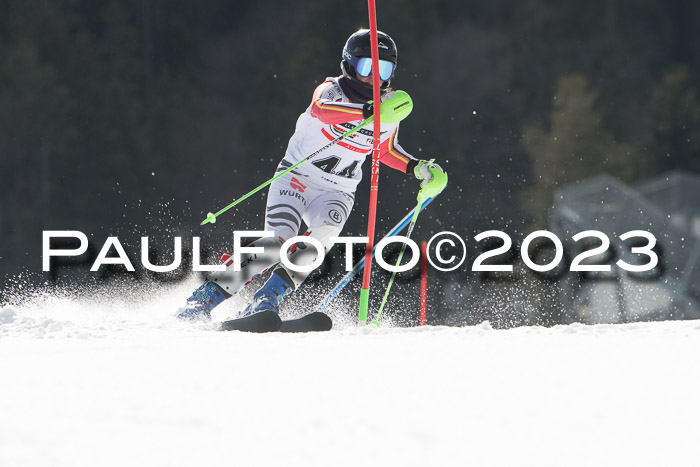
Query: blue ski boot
(202, 301)
(270, 295)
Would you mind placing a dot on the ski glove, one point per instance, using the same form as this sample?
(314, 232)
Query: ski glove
(433, 179)
(368, 108)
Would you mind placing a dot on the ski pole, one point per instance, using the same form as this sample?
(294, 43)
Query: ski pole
(358, 266)
(440, 180)
(416, 211)
(211, 217)
(393, 110)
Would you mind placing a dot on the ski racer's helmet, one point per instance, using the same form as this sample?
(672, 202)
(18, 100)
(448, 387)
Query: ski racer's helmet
(357, 57)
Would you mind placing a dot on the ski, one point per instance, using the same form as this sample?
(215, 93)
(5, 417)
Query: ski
(313, 322)
(265, 321)
(268, 321)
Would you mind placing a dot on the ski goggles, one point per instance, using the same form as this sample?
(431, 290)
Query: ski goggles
(363, 67)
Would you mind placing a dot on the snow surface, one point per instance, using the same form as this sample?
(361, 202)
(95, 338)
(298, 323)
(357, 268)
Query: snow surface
(85, 383)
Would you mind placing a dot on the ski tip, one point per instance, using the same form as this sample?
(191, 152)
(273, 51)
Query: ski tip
(313, 322)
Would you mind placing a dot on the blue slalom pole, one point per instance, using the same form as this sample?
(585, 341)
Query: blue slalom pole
(360, 264)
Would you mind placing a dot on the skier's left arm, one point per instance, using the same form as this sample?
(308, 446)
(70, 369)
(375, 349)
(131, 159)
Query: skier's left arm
(393, 155)
(433, 178)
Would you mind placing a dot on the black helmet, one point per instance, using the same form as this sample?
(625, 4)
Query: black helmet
(358, 47)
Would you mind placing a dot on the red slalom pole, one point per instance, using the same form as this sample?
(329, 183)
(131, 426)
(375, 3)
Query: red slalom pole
(374, 182)
(423, 283)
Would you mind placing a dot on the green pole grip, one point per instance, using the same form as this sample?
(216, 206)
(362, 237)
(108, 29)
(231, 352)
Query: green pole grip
(364, 306)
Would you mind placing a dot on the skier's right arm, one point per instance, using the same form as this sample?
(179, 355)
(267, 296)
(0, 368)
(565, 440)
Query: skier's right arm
(326, 108)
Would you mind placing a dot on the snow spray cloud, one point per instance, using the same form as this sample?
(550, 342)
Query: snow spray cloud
(447, 251)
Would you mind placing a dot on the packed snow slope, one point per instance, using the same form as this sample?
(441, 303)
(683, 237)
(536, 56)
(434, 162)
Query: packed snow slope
(84, 383)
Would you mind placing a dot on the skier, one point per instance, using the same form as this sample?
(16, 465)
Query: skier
(320, 192)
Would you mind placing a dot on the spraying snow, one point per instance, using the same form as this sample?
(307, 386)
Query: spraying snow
(86, 382)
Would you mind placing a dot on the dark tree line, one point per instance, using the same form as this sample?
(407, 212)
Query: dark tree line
(141, 115)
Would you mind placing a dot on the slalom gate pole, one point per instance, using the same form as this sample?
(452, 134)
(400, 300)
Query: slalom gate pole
(398, 262)
(374, 182)
(211, 217)
(358, 266)
(423, 284)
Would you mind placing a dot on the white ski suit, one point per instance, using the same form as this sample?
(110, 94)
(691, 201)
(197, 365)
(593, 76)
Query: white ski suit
(319, 192)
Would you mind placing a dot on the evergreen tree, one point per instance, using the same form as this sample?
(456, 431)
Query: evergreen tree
(675, 120)
(574, 147)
